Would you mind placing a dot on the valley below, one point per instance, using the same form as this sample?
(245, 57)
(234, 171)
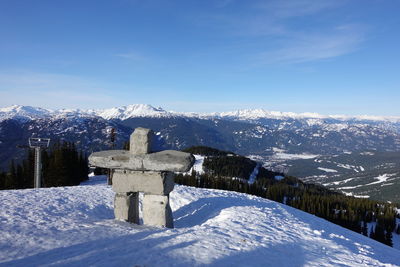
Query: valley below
(366, 174)
(359, 156)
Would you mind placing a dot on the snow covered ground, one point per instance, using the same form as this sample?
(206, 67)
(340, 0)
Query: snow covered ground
(326, 169)
(74, 226)
(198, 165)
(287, 156)
(253, 175)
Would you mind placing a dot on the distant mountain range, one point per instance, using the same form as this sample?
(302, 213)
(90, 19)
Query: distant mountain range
(247, 132)
(144, 110)
(269, 136)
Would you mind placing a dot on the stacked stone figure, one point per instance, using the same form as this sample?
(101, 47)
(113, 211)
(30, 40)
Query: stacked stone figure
(139, 170)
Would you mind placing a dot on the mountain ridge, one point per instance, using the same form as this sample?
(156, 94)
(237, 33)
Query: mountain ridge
(146, 110)
(274, 142)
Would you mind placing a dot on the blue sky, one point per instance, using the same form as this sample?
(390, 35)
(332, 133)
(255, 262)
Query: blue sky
(330, 57)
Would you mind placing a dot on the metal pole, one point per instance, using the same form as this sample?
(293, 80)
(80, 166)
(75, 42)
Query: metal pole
(38, 167)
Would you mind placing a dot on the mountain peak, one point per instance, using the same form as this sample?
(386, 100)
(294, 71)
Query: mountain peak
(252, 114)
(26, 113)
(134, 110)
(23, 112)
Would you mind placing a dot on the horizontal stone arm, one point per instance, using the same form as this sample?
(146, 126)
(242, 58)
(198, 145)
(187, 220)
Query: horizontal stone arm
(167, 160)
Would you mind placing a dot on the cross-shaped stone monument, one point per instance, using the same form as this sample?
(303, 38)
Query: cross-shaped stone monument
(139, 170)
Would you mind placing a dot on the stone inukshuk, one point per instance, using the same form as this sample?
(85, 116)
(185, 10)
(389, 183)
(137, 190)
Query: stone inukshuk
(139, 170)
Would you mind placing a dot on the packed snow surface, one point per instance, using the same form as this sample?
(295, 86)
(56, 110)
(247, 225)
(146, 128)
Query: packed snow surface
(74, 226)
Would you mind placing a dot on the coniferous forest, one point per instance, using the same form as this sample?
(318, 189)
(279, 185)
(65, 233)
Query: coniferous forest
(349, 212)
(62, 165)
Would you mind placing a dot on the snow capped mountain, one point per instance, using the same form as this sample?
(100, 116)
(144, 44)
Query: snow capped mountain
(131, 111)
(253, 114)
(144, 110)
(26, 113)
(246, 132)
(23, 113)
(74, 226)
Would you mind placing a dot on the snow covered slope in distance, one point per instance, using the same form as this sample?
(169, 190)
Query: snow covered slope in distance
(253, 114)
(132, 111)
(26, 113)
(74, 226)
(145, 110)
(23, 113)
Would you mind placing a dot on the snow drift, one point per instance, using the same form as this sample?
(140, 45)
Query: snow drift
(74, 226)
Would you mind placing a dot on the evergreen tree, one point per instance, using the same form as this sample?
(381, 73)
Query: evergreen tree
(379, 233)
(365, 229)
(11, 178)
(389, 238)
(372, 233)
(19, 179)
(2, 180)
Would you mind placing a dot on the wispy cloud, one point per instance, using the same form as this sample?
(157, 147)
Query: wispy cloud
(293, 31)
(132, 56)
(297, 8)
(317, 46)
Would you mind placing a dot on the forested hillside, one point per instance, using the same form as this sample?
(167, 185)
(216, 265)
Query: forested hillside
(62, 165)
(377, 220)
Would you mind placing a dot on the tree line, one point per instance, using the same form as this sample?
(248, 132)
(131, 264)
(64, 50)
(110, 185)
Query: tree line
(62, 165)
(349, 212)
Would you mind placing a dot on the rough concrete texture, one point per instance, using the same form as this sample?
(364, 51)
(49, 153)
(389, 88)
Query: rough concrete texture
(126, 207)
(140, 141)
(138, 170)
(167, 160)
(157, 212)
(154, 183)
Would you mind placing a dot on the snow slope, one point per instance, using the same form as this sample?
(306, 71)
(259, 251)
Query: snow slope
(26, 113)
(74, 226)
(131, 111)
(198, 165)
(313, 118)
(23, 113)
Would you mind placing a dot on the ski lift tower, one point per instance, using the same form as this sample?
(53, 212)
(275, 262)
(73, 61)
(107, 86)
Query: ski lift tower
(38, 144)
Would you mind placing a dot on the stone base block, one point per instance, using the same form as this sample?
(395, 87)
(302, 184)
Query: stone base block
(157, 212)
(154, 183)
(126, 207)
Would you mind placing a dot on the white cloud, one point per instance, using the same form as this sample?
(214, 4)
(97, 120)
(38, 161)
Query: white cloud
(297, 8)
(292, 31)
(310, 47)
(132, 56)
